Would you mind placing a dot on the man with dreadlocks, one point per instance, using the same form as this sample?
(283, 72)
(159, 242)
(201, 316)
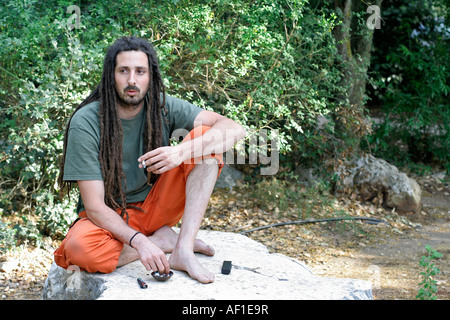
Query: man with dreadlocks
(133, 185)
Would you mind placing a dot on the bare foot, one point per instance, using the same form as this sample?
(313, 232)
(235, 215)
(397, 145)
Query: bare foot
(166, 239)
(187, 261)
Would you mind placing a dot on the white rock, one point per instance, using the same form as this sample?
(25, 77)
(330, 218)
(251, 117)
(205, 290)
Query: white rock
(256, 274)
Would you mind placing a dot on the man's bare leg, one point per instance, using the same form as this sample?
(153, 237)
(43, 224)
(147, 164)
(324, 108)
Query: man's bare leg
(199, 186)
(166, 239)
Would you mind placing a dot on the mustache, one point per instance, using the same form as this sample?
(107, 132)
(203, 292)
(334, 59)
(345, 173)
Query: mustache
(131, 88)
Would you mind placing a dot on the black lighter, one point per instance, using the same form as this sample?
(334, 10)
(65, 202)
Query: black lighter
(226, 267)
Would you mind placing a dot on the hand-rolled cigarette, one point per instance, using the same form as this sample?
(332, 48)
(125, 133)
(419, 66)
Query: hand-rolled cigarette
(143, 164)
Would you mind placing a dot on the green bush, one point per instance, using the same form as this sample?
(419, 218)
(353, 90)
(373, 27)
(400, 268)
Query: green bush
(266, 64)
(49, 71)
(410, 72)
(7, 237)
(427, 285)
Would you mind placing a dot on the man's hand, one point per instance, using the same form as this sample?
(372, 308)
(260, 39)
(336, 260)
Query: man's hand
(150, 255)
(162, 159)
(222, 136)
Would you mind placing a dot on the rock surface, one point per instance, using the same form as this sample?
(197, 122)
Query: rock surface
(256, 274)
(376, 178)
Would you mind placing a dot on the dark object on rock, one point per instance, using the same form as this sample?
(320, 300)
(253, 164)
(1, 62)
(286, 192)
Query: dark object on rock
(142, 284)
(226, 267)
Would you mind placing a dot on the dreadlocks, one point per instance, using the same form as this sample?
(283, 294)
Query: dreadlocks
(111, 135)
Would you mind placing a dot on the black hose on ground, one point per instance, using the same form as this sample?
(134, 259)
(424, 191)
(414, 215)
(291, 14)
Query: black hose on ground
(369, 220)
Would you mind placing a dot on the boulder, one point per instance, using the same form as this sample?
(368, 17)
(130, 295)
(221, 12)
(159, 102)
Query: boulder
(229, 177)
(256, 274)
(375, 178)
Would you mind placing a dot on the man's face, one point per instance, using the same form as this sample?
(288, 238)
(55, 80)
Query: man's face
(132, 77)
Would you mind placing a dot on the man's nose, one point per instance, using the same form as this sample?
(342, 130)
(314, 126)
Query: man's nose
(132, 79)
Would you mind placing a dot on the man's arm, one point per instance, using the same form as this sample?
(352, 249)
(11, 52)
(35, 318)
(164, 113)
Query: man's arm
(222, 136)
(93, 193)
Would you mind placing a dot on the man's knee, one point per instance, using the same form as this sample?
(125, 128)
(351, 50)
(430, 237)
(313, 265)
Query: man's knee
(100, 260)
(93, 250)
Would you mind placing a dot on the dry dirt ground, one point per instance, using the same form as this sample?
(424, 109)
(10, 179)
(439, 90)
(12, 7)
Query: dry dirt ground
(386, 255)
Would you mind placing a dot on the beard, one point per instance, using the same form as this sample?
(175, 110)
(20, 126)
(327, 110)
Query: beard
(127, 101)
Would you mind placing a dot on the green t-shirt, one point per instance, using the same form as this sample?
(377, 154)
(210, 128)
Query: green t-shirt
(84, 141)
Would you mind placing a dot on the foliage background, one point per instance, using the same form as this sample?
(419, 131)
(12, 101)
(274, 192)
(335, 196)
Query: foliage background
(409, 77)
(266, 64)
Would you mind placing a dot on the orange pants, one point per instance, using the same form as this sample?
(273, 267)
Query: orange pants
(94, 249)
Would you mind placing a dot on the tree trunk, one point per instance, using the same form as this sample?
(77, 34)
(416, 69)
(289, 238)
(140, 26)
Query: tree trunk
(354, 43)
